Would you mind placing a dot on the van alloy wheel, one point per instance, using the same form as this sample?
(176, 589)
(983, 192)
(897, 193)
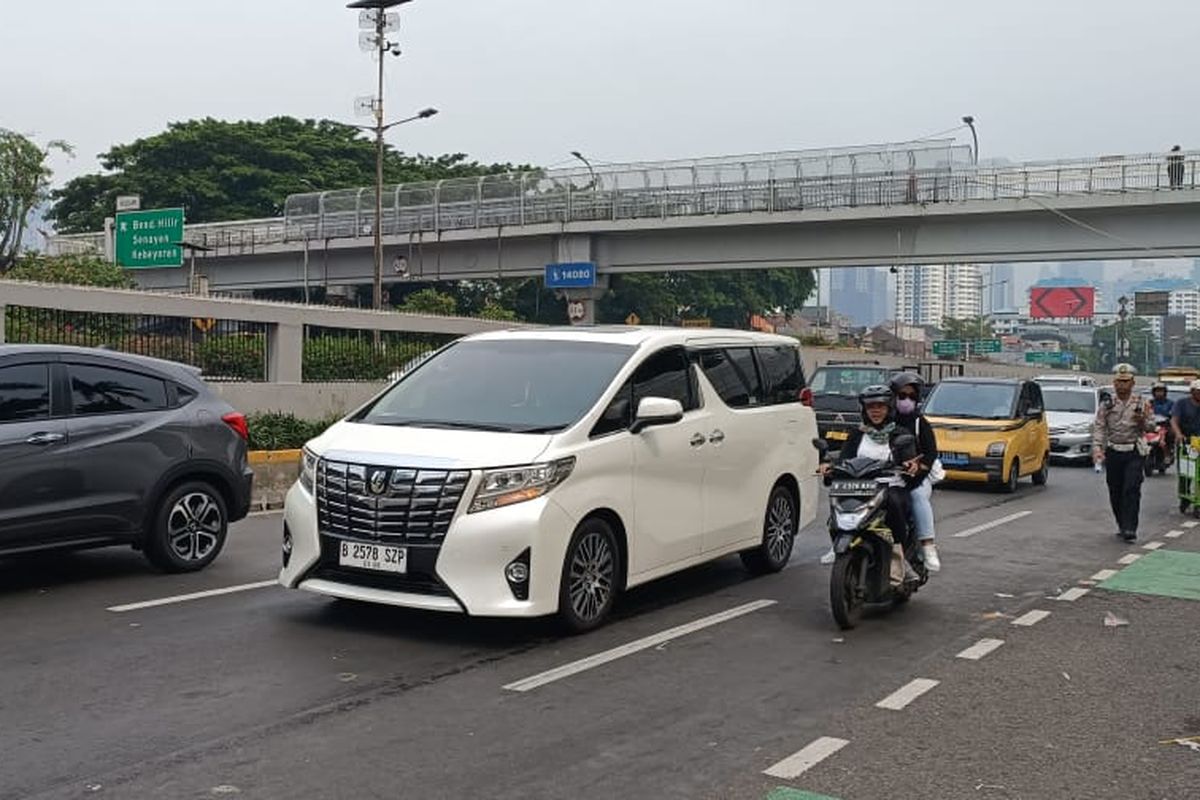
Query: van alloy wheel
(590, 577)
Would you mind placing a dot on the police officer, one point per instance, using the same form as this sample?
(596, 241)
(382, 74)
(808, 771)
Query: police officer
(1118, 445)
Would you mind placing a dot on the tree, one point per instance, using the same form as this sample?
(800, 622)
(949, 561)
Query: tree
(430, 301)
(727, 297)
(24, 184)
(967, 328)
(1143, 347)
(79, 270)
(218, 170)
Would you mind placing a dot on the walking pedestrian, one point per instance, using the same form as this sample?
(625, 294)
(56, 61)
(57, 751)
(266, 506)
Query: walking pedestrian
(1119, 445)
(1175, 168)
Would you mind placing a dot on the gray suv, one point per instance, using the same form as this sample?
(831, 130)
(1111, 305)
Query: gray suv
(100, 448)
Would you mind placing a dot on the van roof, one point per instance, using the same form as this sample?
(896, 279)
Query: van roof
(637, 336)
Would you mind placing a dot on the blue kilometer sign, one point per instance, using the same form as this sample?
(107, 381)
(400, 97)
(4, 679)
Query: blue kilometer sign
(571, 275)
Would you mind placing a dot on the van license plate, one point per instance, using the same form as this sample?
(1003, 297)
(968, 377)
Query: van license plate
(374, 556)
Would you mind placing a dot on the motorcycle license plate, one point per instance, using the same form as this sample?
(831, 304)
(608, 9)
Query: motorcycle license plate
(378, 557)
(838, 436)
(853, 487)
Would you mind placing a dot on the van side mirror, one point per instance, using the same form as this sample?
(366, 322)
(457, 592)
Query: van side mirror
(654, 411)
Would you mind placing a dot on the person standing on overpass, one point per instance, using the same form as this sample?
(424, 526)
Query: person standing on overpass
(1175, 168)
(1118, 444)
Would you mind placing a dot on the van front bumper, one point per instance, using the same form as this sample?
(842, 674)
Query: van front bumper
(465, 573)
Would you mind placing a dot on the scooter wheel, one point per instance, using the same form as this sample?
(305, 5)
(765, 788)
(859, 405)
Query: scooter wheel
(845, 590)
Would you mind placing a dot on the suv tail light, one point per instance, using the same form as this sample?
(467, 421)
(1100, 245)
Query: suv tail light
(806, 396)
(237, 421)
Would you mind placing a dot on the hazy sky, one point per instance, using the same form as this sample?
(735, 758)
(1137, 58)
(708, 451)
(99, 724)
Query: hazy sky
(531, 80)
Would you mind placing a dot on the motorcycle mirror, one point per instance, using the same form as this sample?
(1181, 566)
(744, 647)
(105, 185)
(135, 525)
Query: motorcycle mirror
(821, 445)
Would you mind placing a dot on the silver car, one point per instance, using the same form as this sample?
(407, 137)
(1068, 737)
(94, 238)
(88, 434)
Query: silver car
(1071, 414)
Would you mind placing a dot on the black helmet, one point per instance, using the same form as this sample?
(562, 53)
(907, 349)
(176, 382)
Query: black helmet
(875, 394)
(902, 379)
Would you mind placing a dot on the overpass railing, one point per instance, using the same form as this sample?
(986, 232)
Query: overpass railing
(769, 183)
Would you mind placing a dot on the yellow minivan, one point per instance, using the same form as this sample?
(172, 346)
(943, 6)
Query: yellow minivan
(990, 430)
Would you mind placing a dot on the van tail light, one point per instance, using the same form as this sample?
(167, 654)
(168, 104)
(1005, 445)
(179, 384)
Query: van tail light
(238, 422)
(806, 396)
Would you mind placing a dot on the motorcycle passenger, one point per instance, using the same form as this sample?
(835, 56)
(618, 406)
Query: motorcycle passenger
(874, 439)
(907, 387)
(1164, 407)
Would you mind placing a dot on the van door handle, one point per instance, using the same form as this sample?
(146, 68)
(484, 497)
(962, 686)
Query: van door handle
(45, 438)
(717, 437)
(698, 440)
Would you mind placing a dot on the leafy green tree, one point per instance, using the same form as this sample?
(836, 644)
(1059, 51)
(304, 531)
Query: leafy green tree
(218, 170)
(24, 184)
(1143, 347)
(78, 270)
(430, 301)
(727, 297)
(967, 328)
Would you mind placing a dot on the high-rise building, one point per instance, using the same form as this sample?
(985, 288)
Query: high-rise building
(928, 294)
(859, 293)
(1185, 303)
(1000, 288)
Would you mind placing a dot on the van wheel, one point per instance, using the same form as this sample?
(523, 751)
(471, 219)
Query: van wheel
(1014, 477)
(779, 534)
(189, 529)
(1042, 475)
(589, 576)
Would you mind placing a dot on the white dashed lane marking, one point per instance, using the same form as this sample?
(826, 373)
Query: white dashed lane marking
(801, 761)
(987, 526)
(183, 598)
(1174, 534)
(1152, 545)
(1129, 558)
(906, 694)
(1073, 594)
(1191, 523)
(980, 649)
(1030, 618)
(1104, 575)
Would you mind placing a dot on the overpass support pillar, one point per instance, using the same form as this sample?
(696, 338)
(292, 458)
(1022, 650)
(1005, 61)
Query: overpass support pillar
(285, 353)
(581, 303)
(3, 322)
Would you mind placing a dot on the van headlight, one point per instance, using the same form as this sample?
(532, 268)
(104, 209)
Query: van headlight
(995, 449)
(1080, 427)
(308, 469)
(505, 487)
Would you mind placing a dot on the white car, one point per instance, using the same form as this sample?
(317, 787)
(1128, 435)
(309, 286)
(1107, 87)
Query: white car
(526, 473)
(1071, 415)
(1065, 379)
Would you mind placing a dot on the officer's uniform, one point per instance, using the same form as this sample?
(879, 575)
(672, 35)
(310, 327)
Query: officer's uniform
(1119, 428)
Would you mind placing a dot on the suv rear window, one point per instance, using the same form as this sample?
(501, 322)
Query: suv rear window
(24, 392)
(733, 373)
(104, 390)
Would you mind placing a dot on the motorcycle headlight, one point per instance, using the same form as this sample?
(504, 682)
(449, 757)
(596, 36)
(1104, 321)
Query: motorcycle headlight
(995, 449)
(505, 487)
(851, 520)
(308, 469)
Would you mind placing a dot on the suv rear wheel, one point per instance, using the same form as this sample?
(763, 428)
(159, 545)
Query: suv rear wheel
(189, 529)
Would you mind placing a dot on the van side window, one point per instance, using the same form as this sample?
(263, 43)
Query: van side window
(782, 374)
(732, 372)
(667, 374)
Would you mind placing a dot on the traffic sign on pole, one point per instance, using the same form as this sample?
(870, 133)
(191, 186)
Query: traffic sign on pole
(571, 275)
(149, 239)
(947, 347)
(985, 346)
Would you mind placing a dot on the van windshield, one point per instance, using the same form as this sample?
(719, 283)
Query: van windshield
(509, 385)
(972, 400)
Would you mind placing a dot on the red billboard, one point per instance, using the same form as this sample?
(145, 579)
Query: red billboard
(1062, 302)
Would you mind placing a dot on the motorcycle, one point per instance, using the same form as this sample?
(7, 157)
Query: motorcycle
(1160, 456)
(865, 563)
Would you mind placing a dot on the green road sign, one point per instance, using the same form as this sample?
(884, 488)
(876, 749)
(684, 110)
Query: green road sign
(146, 239)
(947, 347)
(1036, 357)
(985, 346)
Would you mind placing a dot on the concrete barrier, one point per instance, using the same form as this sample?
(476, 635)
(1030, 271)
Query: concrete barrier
(274, 473)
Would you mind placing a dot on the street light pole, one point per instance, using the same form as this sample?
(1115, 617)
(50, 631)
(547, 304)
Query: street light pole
(587, 164)
(969, 121)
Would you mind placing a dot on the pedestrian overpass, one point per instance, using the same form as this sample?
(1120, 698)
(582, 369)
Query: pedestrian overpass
(908, 203)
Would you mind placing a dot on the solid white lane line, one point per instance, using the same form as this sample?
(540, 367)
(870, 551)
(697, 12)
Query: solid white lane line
(987, 526)
(583, 664)
(1030, 618)
(1129, 558)
(183, 598)
(1152, 545)
(1104, 575)
(1191, 523)
(1073, 594)
(800, 762)
(1173, 534)
(906, 694)
(980, 649)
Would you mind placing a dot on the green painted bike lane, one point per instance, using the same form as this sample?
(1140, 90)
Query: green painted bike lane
(1165, 573)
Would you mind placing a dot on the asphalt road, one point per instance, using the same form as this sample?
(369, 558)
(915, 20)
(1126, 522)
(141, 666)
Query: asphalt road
(268, 693)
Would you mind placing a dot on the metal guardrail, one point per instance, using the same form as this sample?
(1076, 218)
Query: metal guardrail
(907, 174)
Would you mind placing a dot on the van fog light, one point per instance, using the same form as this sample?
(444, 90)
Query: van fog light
(516, 572)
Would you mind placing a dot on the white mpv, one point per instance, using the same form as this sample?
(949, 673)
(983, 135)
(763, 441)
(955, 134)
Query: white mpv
(533, 472)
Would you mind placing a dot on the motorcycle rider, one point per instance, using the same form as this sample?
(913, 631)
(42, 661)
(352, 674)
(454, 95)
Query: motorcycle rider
(875, 439)
(1164, 407)
(907, 387)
